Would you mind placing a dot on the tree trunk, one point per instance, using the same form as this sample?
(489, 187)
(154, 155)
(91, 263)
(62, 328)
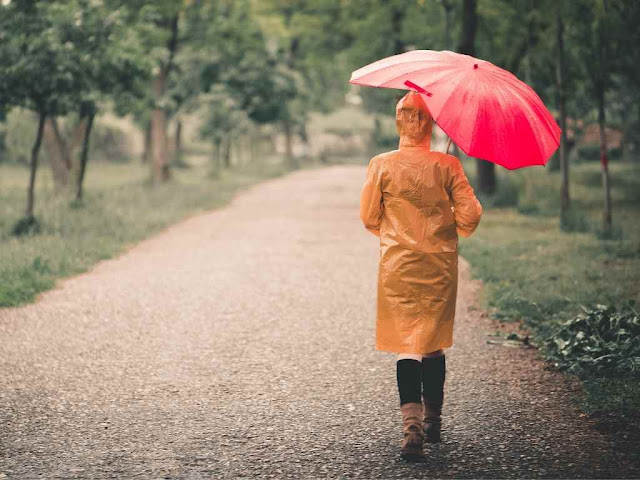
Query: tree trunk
(601, 86)
(178, 145)
(34, 166)
(215, 158)
(227, 152)
(604, 162)
(58, 153)
(146, 154)
(486, 173)
(77, 137)
(560, 79)
(448, 8)
(84, 157)
(159, 156)
(397, 17)
(288, 144)
(469, 24)
(252, 148)
(159, 159)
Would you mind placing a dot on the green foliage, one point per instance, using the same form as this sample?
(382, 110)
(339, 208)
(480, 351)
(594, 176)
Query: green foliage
(539, 273)
(26, 226)
(601, 339)
(223, 116)
(311, 38)
(20, 132)
(377, 30)
(506, 195)
(575, 220)
(592, 153)
(109, 143)
(36, 63)
(386, 140)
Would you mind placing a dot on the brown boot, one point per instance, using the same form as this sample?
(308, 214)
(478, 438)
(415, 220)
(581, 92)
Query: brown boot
(433, 377)
(432, 421)
(412, 429)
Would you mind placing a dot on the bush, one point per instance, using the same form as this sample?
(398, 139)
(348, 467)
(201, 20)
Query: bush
(600, 340)
(575, 221)
(19, 135)
(614, 234)
(590, 153)
(506, 195)
(528, 208)
(109, 143)
(386, 141)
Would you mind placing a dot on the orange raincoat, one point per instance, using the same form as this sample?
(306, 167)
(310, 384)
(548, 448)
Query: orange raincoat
(418, 202)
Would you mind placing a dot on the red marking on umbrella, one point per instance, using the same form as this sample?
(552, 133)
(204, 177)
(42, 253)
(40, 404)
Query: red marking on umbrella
(418, 88)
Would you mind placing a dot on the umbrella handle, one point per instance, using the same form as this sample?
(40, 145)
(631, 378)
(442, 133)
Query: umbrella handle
(417, 88)
(448, 145)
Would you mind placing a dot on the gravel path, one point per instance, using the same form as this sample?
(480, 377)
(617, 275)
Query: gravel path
(240, 342)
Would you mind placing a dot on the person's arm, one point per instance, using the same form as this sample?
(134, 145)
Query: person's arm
(467, 209)
(371, 207)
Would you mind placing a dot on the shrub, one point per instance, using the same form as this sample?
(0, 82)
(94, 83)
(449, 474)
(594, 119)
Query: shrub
(506, 195)
(386, 141)
(109, 143)
(590, 153)
(528, 208)
(19, 135)
(575, 220)
(600, 340)
(615, 233)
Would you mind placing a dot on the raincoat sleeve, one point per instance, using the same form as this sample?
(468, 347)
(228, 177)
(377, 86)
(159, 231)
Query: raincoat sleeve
(467, 208)
(371, 206)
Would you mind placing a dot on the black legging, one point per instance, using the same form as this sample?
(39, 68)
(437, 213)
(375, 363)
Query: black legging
(421, 378)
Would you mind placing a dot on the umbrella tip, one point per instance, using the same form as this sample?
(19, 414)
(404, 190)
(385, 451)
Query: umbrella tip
(475, 65)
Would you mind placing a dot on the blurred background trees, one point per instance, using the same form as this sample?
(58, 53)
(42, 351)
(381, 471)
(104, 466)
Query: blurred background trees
(240, 74)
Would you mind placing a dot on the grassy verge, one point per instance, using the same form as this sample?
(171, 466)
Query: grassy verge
(120, 209)
(539, 274)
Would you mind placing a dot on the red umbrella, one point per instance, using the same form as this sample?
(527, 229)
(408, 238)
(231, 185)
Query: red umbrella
(486, 110)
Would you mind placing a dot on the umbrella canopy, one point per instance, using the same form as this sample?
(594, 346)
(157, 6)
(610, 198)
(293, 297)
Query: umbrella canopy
(486, 110)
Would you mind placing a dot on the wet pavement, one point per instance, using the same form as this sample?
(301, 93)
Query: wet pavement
(240, 343)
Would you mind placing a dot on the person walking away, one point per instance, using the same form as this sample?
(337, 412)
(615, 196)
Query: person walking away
(418, 202)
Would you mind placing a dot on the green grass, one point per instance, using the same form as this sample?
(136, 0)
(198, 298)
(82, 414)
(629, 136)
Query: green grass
(540, 274)
(120, 208)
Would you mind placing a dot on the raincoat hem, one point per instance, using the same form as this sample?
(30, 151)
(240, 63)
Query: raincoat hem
(392, 349)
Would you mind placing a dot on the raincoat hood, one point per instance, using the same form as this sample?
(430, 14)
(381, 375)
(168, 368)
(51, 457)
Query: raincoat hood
(413, 121)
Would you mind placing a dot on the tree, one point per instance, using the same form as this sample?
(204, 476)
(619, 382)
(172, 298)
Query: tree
(167, 21)
(594, 21)
(561, 95)
(600, 81)
(37, 72)
(309, 39)
(108, 52)
(159, 29)
(244, 83)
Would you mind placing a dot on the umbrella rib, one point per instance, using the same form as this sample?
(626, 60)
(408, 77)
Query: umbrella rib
(516, 88)
(391, 79)
(372, 71)
(409, 73)
(442, 109)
